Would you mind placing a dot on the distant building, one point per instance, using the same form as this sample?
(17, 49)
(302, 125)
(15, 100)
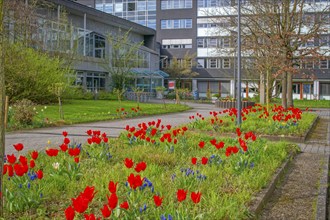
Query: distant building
(182, 26)
(83, 31)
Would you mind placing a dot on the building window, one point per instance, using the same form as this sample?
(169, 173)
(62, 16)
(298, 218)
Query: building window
(324, 64)
(119, 7)
(324, 41)
(176, 24)
(213, 63)
(175, 4)
(226, 63)
(200, 43)
(141, 6)
(212, 3)
(200, 63)
(131, 6)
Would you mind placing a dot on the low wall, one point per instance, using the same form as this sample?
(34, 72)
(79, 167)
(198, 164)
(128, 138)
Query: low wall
(232, 104)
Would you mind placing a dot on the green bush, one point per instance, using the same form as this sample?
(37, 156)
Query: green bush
(77, 92)
(30, 74)
(24, 112)
(104, 95)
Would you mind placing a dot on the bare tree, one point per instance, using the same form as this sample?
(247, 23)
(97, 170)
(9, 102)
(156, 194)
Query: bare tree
(289, 31)
(179, 69)
(123, 57)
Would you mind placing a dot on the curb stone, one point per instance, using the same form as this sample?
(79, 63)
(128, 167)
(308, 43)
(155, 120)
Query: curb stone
(321, 212)
(265, 194)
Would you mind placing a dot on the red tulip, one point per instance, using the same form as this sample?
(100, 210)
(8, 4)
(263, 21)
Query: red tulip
(69, 213)
(88, 193)
(23, 160)
(158, 200)
(201, 144)
(64, 147)
(52, 152)
(74, 151)
(66, 140)
(196, 197)
(124, 205)
(90, 216)
(40, 174)
(220, 145)
(194, 160)
(105, 139)
(80, 204)
(113, 200)
(76, 159)
(89, 132)
(4, 170)
(20, 169)
(181, 195)
(11, 158)
(18, 146)
(112, 187)
(129, 163)
(134, 181)
(106, 212)
(32, 164)
(238, 131)
(34, 155)
(64, 133)
(204, 160)
(10, 170)
(140, 167)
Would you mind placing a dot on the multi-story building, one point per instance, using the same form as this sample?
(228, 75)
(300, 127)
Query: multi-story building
(183, 26)
(83, 31)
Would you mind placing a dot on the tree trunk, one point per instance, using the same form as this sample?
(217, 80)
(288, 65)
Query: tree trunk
(284, 90)
(289, 92)
(262, 89)
(267, 90)
(60, 108)
(2, 109)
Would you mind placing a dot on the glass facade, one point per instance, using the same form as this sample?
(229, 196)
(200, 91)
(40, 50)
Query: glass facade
(139, 11)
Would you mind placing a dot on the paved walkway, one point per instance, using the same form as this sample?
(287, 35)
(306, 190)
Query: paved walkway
(37, 139)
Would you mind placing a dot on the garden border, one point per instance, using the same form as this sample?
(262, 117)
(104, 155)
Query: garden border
(262, 197)
(321, 206)
(300, 139)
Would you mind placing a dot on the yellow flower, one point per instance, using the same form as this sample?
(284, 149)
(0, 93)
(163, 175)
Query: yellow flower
(48, 142)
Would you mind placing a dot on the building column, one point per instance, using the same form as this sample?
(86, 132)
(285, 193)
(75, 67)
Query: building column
(232, 88)
(194, 85)
(316, 89)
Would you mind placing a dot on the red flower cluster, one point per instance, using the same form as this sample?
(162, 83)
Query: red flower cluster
(20, 167)
(219, 145)
(204, 160)
(134, 181)
(182, 194)
(74, 152)
(96, 137)
(80, 204)
(231, 150)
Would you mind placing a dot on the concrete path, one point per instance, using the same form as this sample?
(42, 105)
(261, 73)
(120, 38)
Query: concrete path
(37, 139)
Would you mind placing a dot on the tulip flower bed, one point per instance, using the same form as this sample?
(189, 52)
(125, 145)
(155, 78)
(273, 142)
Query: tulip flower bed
(152, 171)
(276, 121)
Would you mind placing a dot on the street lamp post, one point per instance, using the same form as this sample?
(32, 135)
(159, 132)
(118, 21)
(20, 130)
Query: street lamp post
(239, 103)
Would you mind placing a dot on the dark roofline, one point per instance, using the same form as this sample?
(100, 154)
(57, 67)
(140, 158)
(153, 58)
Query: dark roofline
(103, 17)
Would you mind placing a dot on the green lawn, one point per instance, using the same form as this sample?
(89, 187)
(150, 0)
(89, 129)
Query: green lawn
(308, 103)
(80, 111)
(226, 179)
